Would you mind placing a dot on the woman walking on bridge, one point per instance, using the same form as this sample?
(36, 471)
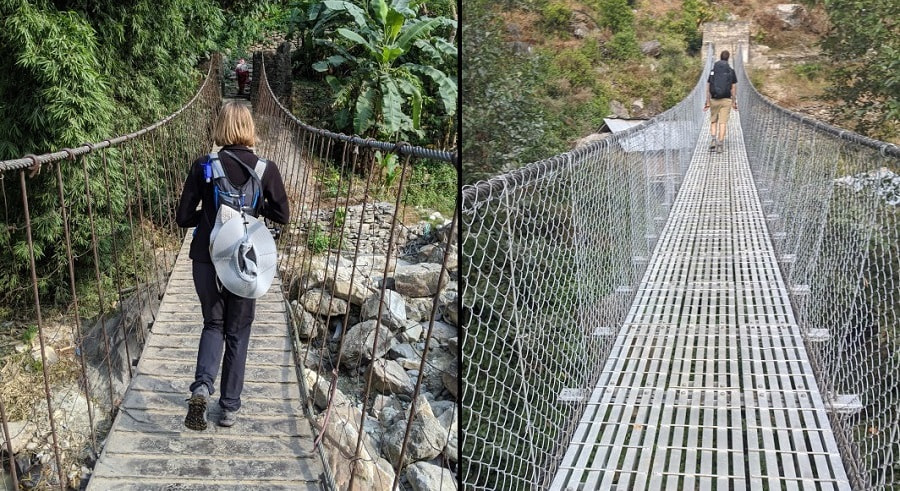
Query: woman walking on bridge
(227, 316)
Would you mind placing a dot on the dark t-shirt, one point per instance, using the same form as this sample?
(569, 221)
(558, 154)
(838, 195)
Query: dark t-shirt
(197, 190)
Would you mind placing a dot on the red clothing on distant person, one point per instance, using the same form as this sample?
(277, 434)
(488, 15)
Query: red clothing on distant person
(243, 74)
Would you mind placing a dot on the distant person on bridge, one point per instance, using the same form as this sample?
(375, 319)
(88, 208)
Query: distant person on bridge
(227, 317)
(242, 71)
(721, 88)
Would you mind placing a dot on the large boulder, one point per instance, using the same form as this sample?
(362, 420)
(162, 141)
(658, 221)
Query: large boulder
(359, 343)
(449, 419)
(651, 48)
(322, 303)
(449, 307)
(792, 15)
(319, 390)
(427, 437)
(418, 280)
(424, 476)
(389, 377)
(370, 470)
(393, 308)
(419, 309)
(20, 433)
(441, 332)
(355, 292)
(308, 326)
(450, 378)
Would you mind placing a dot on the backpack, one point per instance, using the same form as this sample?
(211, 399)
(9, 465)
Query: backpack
(241, 247)
(237, 200)
(721, 79)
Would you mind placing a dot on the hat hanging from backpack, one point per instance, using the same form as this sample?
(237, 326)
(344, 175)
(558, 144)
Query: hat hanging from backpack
(244, 257)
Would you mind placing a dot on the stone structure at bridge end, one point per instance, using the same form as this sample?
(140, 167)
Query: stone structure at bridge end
(727, 35)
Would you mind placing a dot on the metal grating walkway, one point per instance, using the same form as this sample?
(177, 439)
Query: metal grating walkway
(708, 385)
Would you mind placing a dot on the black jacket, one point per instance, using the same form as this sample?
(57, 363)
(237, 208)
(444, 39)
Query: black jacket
(197, 190)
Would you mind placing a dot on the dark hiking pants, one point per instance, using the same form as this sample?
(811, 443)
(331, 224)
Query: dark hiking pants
(226, 323)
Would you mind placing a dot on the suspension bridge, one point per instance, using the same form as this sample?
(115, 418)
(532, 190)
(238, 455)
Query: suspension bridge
(133, 341)
(647, 314)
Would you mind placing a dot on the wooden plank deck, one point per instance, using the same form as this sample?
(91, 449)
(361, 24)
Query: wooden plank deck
(270, 446)
(708, 385)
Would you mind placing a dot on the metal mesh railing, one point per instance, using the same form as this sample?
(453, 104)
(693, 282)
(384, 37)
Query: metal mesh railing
(552, 254)
(832, 200)
(91, 239)
(383, 278)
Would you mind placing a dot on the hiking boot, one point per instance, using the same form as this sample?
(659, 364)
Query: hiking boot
(720, 147)
(228, 418)
(196, 416)
(712, 145)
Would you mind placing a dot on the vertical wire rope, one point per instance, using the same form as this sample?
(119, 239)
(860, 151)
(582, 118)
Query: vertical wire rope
(40, 323)
(422, 363)
(367, 391)
(79, 336)
(11, 456)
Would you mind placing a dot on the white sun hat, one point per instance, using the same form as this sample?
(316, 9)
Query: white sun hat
(244, 256)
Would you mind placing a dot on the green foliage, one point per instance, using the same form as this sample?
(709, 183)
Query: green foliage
(864, 49)
(509, 128)
(340, 216)
(574, 65)
(56, 56)
(29, 334)
(83, 71)
(809, 71)
(432, 185)
(317, 240)
(555, 17)
(390, 168)
(623, 45)
(692, 15)
(616, 15)
(387, 66)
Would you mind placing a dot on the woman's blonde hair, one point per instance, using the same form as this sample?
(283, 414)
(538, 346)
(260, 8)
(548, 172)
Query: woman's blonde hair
(235, 126)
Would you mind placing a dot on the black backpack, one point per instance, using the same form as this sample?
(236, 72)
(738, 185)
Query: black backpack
(721, 78)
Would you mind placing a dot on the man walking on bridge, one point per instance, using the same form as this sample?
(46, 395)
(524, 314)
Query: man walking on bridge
(721, 88)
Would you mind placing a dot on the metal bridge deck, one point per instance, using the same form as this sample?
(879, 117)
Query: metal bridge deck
(270, 446)
(708, 385)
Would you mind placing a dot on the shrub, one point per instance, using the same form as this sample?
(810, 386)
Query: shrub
(555, 17)
(623, 45)
(809, 71)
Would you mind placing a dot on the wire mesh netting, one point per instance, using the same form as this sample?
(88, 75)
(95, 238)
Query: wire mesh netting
(552, 255)
(831, 200)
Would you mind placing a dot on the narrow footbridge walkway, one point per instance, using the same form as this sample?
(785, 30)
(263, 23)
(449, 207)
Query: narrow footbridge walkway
(270, 446)
(708, 384)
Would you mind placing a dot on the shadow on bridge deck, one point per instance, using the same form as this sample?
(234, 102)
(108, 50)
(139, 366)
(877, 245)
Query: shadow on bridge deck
(270, 447)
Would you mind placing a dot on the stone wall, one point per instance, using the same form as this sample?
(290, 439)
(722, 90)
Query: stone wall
(733, 36)
(278, 72)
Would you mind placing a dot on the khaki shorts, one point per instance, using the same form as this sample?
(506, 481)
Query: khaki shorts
(719, 109)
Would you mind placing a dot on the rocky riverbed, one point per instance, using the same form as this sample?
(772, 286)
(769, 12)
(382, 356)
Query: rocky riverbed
(336, 306)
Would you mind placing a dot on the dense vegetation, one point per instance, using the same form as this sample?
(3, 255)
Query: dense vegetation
(539, 84)
(82, 71)
(385, 70)
(863, 46)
